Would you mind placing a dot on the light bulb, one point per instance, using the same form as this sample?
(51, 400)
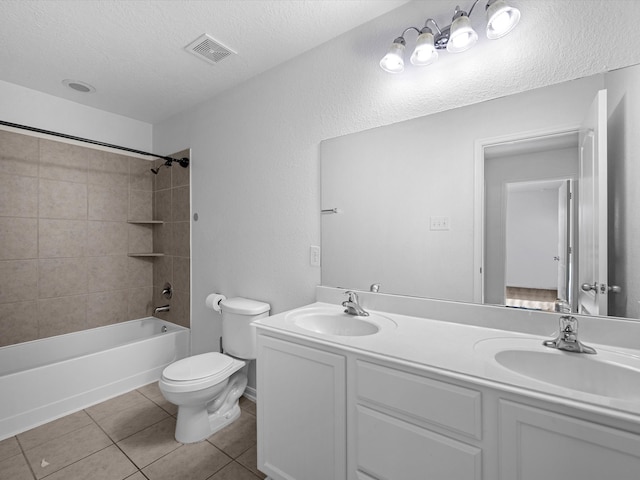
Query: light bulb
(393, 61)
(462, 37)
(501, 19)
(425, 52)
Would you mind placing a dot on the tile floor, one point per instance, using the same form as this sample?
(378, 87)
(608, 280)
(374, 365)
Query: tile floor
(130, 437)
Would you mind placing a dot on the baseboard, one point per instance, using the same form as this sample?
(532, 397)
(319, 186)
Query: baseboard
(251, 394)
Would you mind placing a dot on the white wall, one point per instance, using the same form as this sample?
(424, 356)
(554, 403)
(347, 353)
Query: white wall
(255, 149)
(28, 107)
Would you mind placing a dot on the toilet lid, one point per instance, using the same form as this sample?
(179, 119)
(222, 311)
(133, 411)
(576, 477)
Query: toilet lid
(197, 367)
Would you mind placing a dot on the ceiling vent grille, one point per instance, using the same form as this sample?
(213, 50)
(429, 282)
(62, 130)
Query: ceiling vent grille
(208, 49)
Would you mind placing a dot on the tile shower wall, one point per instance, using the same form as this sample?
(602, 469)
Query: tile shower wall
(64, 238)
(171, 193)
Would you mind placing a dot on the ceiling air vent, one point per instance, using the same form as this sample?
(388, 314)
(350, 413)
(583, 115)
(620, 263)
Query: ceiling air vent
(208, 49)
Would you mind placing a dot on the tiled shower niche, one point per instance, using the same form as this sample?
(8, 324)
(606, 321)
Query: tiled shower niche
(65, 238)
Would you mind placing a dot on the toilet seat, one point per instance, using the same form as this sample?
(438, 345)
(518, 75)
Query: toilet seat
(199, 372)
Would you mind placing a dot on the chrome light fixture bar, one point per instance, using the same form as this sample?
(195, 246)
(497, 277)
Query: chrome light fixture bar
(457, 37)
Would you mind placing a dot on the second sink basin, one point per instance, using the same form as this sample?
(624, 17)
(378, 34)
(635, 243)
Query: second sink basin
(336, 322)
(608, 373)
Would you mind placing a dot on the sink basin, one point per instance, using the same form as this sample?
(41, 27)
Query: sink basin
(336, 322)
(608, 373)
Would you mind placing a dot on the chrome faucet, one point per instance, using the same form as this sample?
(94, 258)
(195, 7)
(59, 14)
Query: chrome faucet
(352, 305)
(567, 338)
(163, 308)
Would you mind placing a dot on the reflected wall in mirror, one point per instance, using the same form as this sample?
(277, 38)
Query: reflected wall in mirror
(411, 217)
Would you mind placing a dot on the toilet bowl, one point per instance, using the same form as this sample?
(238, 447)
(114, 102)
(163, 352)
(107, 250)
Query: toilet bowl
(207, 387)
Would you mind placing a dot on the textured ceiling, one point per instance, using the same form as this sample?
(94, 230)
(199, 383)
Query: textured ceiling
(132, 51)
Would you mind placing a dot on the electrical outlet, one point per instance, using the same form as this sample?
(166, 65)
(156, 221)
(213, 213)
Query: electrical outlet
(314, 256)
(439, 223)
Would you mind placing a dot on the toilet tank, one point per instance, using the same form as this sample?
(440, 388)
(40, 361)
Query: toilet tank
(238, 335)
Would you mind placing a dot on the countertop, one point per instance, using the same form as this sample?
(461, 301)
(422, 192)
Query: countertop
(464, 352)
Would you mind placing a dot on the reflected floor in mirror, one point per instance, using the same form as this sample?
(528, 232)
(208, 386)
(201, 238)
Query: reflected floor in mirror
(130, 437)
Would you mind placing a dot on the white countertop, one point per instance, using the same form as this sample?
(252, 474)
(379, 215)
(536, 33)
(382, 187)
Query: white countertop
(452, 349)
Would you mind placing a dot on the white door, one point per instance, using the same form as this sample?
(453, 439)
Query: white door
(592, 210)
(564, 238)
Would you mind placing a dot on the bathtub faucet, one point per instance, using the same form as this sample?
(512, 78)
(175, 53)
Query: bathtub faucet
(164, 308)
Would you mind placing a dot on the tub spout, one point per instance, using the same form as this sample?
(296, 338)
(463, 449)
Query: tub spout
(164, 308)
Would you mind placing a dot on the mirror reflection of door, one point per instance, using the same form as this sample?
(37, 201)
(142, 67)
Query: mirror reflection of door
(529, 222)
(538, 249)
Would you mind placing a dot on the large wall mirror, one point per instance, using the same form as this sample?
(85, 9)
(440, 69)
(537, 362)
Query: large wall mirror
(526, 201)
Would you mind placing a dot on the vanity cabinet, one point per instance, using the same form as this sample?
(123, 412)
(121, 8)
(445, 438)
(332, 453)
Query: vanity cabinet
(537, 443)
(409, 426)
(301, 411)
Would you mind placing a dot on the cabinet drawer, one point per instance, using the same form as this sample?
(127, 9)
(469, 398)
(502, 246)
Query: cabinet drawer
(393, 449)
(455, 408)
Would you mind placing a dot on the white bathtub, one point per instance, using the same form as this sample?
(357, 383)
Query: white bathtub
(46, 379)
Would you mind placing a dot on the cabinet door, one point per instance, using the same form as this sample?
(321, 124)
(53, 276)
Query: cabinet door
(537, 444)
(301, 412)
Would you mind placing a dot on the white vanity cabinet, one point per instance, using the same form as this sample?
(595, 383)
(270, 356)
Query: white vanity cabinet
(538, 443)
(301, 411)
(410, 426)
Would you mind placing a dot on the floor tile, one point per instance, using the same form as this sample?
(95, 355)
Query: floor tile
(39, 435)
(197, 461)
(150, 444)
(15, 468)
(107, 464)
(249, 459)
(137, 476)
(247, 405)
(153, 393)
(115, 405)
(126, 422)
(8, 448)
(234, 471)
(67, 449)
(236, 438)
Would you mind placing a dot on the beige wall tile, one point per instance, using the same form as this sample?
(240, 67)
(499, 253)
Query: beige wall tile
(58, 199)
(18, 238)
(62, 238)
(57, 316)
(18, 322)
(180, 205)
(140, 205)
(106, 274)
(140, 272)
(107, 203)
(18, 154)
(163, 238)
(140, 175)
(107, 308)
(19, 280)
(62, 276)
(180, 307)
(18, 196)
(109, 170)
(181, 239)
(180, 175)
(181, 273)
(63, 161)
(163, 270)
(163, 179)
(107, 238)
(140, 239)
(140, 302)
(162, 209)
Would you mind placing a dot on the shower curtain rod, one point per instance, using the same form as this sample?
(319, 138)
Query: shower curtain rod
(181, 161)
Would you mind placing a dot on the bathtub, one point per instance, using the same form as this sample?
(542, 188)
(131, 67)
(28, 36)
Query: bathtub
(46, 379)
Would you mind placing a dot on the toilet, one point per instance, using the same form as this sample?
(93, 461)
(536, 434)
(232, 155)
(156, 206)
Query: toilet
(207, 387)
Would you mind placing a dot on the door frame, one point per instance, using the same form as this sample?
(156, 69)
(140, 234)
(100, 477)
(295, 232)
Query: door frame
(480, 146)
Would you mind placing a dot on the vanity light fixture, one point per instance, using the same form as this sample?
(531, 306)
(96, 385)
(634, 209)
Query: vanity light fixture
(455, 38)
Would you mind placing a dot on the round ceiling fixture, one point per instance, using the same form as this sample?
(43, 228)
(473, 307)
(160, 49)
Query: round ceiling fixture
(79, 86)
